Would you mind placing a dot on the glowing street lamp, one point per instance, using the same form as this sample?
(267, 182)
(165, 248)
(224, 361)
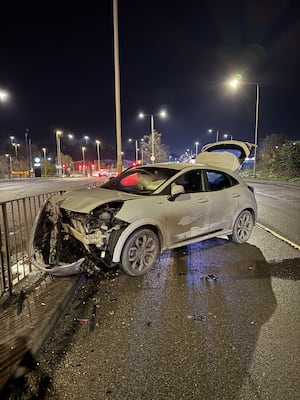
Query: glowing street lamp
(10, 166)
(226, 136)
(234, 83)
(58, 152)
(16, 146)
(136, 149)
(44, 161)
(83, 159)
(217, 133)
(196, 144)
(98, 143)
(162, 114)
(3, 96)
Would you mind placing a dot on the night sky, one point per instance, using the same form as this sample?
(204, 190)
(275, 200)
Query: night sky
(56, 61)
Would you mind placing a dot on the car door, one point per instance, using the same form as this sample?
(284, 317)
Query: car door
(224, 198)
(187, 216)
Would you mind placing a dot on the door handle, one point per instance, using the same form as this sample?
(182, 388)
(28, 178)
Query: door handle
(235, 195)
(202, 201)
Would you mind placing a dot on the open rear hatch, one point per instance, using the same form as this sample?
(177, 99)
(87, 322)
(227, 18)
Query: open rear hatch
(229, 154)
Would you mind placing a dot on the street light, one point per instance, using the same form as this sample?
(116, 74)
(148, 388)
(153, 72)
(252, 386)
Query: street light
(86, 138)
(16, 146)
(162, 114)
(196, 144)
(45, 158)
(235, 83)
(58, 152)
(83, 160)
(136, 150)
(217, 133)
(10, 166)
(98, 143)
(226, 136)
(3, 95)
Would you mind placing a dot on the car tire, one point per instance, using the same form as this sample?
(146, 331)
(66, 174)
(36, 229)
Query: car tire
(242, 227)
(140, 252)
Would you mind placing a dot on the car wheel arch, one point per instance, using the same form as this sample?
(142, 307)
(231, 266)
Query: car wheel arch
(131, 229)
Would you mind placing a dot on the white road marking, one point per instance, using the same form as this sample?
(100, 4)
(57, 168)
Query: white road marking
(296, 246)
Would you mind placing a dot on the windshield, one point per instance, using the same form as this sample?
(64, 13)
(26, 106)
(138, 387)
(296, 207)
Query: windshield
(144, 180)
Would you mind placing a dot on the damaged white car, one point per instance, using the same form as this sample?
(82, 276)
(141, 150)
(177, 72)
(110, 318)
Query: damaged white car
(145, 210)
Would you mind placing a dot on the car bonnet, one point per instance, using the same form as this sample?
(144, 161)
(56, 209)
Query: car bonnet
(87, 199)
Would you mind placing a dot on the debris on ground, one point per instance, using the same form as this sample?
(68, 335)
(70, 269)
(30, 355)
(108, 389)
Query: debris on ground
(195, 317)
(212, 277)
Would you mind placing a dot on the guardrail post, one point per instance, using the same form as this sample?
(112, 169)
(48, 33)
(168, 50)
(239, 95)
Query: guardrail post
(6, 252)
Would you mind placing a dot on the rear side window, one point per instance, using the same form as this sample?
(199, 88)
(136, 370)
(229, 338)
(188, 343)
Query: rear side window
(219, 180)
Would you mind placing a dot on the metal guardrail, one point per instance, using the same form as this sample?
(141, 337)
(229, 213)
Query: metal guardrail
(16, 221)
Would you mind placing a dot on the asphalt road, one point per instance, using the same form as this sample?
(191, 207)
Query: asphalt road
(215, 320)
(279, 208)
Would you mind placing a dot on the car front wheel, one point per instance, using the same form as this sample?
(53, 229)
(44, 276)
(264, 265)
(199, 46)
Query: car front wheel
(242, 227)
(140, 252)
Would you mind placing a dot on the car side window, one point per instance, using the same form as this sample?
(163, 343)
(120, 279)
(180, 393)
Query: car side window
(219, 180)
(191, 181)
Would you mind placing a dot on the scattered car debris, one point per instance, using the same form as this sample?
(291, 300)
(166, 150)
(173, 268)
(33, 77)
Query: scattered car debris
(93, 318)
(195, 317)
(81, 320)
(212, 277)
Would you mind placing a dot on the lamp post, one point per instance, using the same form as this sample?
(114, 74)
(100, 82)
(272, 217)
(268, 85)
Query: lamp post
(136, 149)
(162, 114)
(234, 83)
(217, 133)
(58, 152)
(83, 160)
(10, 167)
(196, 144)
(27, 152)
(98, 143)
(226, 136)
(16, 146)
(44, 161)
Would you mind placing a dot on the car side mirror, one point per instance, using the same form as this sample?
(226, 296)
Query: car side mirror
(176, 190)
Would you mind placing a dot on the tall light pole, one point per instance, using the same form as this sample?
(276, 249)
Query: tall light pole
(83, 160)
(58, 152)
(226, 136)
(16, 146)
(162, 114)
(27, 152)
(196, 144)
(117, 86)
(136, 149)
(235, 83)
(217, 133)
(45, 159)
(98, 154)
(10, 167)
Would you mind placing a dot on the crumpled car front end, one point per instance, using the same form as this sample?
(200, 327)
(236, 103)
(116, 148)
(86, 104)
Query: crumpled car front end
(67, 242)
